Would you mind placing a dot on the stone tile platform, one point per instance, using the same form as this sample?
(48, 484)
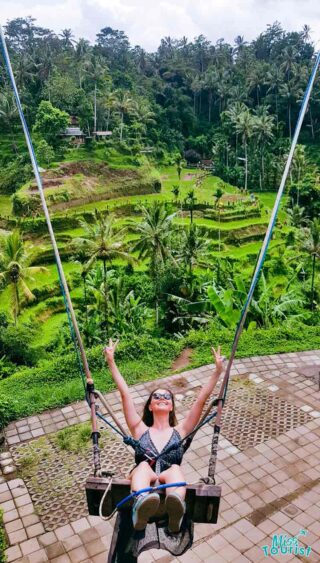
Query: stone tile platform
(269, 487)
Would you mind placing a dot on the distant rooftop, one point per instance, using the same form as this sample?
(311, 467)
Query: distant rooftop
(73, 132)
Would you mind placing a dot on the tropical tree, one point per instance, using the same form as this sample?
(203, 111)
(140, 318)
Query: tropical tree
(218, 195)
(50, 121)
(192, 249)
(128, 314)
(154, 234)
(190, 202)
(244, 127)
(98, 73)
(269, 307)
(310, 243)
(226, 302)
(16, 271)
(296, 216)
(67, 38)
(263, 131)
(176, 192)
(102, 241)
(124, 104)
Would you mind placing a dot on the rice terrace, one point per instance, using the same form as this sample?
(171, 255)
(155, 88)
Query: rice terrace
(159, 297)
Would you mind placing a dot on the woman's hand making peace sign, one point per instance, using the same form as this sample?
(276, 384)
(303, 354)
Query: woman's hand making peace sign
(110, 350)
(218, 359)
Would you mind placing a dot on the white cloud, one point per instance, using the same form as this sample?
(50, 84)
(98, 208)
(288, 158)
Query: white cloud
(147, 21)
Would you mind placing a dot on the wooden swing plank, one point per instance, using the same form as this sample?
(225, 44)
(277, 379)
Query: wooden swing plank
(202, 500)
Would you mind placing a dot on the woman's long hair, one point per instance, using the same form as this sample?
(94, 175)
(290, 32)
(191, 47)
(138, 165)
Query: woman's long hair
(147, 416)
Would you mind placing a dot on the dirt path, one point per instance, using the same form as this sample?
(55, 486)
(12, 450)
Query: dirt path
(189, 176)
(183, 360)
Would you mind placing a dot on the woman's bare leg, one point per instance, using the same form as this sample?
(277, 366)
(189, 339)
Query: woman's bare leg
(142, 476)
(173, 475)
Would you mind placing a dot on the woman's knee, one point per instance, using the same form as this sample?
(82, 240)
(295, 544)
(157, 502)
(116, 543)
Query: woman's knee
(144, 468)
(175, 469)
(172, 473)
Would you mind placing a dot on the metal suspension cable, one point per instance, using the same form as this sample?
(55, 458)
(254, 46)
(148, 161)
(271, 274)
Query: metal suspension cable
(64, 285)
(258, 268)
(272, 221)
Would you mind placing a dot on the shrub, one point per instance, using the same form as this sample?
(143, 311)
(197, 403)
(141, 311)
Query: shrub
(50, 121)
(16, 344)
(3, 543)
(24, 205)
(7, 413)
(14, 175)
(45, 152)
(7, 368)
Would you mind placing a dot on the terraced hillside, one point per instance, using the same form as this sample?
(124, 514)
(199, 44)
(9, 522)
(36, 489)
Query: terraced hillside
(74, 190)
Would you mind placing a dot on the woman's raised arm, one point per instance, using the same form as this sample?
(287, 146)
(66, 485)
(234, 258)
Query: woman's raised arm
(133, 420)
(192, 419)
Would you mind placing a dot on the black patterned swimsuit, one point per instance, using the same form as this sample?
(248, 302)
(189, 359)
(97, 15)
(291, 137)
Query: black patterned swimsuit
(159, 461)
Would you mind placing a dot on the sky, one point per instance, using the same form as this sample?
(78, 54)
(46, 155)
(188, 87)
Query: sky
(147, 21)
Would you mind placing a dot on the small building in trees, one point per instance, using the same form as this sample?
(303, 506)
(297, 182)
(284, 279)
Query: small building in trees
(75, 134)
(102, 134)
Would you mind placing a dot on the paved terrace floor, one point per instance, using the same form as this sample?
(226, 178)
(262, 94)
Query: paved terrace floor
(268, 466)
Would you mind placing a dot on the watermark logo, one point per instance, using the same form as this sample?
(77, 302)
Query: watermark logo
(283, 545)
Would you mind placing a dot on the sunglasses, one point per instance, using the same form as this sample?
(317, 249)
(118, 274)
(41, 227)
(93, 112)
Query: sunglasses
(166, 396)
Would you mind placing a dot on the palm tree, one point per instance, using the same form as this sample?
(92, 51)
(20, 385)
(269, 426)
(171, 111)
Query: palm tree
(193, 248)
(67, 38)
(190, 202)
(274, 79)
(8, 113)
(263, 130)
(296, 216)
(24, 70)
(291, 92)
(154, 237)
(196, 88)
(289, 62)
(15, 270)
(97, 71)
(310, 243)
(102, 242)
(109, 104)
(218, 195)
(305, 33)
(124, 104)
(299, 165)
(244, 127)
(210, 83)
(255, 79)
(144, 115)
(82, 53)
(240, 44)
(176, 192)
(232, 114)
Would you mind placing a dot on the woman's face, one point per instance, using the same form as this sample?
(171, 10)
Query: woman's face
(161, 401)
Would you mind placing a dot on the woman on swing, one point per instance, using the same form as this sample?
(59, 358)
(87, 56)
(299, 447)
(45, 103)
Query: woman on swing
(158, 430)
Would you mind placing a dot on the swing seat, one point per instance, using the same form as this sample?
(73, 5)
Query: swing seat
(202, 500)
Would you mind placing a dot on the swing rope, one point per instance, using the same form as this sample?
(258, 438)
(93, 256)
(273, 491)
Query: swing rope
(75, 333)
(258, 269)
